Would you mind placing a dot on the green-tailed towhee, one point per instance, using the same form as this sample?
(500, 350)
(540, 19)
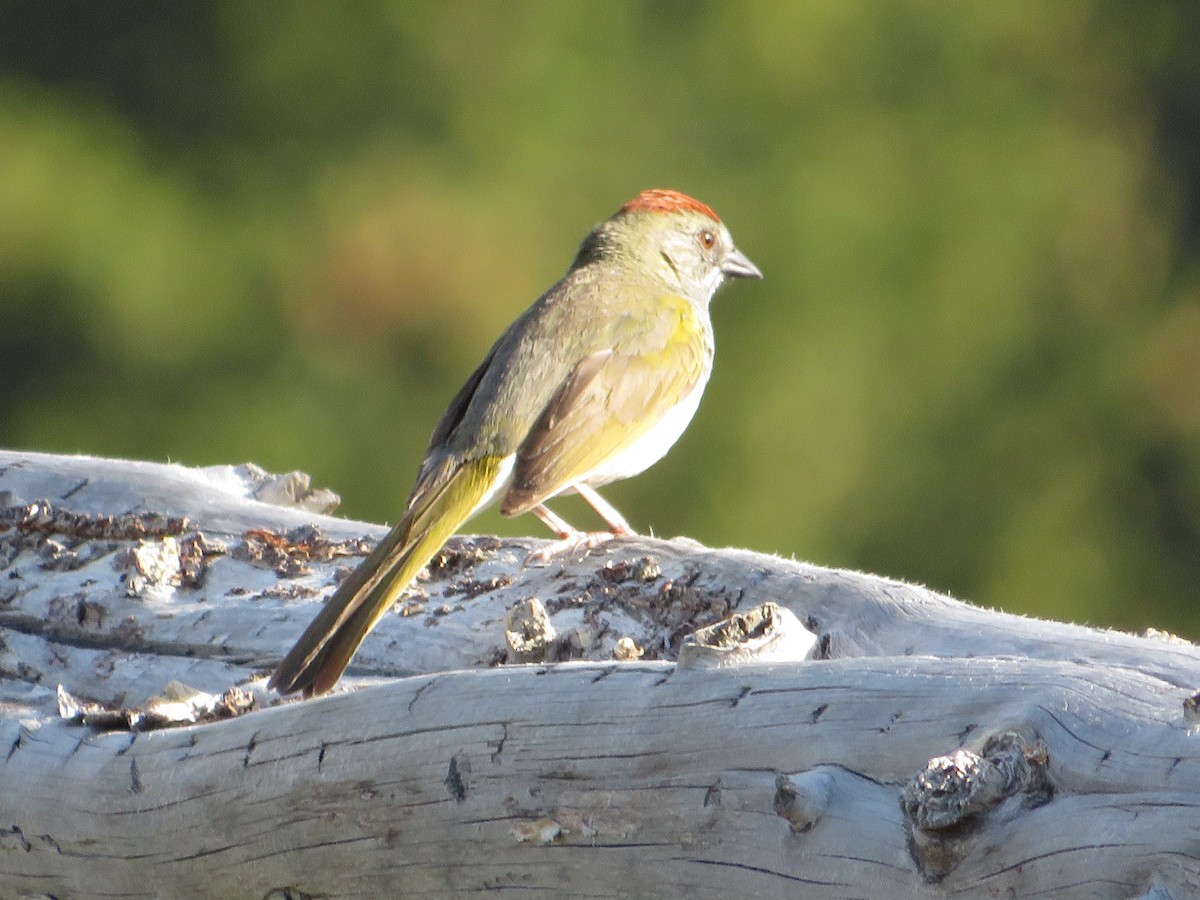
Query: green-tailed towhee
(593, 383)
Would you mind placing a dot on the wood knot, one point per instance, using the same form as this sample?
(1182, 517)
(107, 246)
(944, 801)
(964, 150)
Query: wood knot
(766, 632)
(950, 801)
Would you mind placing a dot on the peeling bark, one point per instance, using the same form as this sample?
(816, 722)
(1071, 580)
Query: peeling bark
(826, 733)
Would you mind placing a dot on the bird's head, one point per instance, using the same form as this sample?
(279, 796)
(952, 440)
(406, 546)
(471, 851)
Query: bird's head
(673, 238)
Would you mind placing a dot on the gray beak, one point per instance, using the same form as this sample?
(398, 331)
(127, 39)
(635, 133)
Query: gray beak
(737, 265)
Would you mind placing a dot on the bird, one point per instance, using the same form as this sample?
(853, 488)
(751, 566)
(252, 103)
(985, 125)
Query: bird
(594, 382)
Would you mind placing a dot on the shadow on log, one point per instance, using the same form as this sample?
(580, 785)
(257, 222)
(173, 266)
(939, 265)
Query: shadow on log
(823, 733)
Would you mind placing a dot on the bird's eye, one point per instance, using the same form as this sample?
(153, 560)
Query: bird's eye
(707, 239)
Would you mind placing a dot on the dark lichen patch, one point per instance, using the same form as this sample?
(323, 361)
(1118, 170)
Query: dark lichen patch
(666, 610)
(459, 557)
(644, 569)
(477, 587)
(43, 517)
(289, 553)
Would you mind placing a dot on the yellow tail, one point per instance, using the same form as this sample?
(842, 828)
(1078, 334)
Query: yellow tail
(322, 653)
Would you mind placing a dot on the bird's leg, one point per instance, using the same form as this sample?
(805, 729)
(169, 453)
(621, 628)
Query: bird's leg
(572, 539)
(561, 527)
(615, 521)
(569, 538)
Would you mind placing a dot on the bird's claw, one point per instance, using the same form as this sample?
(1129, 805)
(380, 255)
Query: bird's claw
(579, 542)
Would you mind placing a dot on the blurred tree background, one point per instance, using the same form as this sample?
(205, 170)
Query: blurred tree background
(286, 232)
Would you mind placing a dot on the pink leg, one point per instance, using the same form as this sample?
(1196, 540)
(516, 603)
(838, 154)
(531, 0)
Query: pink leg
(615, 521)
(561, 527)
(571, 539)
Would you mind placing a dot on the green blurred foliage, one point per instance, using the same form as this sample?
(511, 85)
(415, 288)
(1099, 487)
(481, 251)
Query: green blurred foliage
(286, 232)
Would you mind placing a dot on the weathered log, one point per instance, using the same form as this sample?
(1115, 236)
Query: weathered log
(915, 747)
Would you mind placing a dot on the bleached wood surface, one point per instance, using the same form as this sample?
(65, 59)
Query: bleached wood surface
(933, 750)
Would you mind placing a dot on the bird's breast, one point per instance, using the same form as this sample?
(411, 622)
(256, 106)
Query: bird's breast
(694, 331)
(651, 446)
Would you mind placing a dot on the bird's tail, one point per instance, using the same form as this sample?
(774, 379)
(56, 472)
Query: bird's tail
(322, 653)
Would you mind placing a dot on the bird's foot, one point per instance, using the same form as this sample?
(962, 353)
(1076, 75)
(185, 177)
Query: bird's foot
(571, 544)
(571, 540)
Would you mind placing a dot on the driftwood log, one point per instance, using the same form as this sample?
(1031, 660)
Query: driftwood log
(571, 729)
